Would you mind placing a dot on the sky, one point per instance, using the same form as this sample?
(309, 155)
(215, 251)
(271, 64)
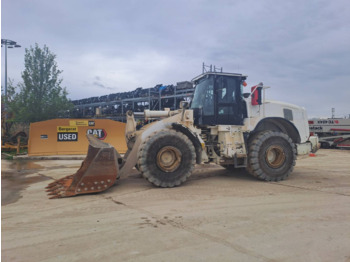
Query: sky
(300, 48)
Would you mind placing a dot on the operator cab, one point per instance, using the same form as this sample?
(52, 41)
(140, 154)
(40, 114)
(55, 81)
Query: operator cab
(218, 99)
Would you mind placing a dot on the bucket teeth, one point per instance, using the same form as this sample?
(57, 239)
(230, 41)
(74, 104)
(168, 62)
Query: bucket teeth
(61, 181)
(49, 189)
(57, 193)
(51, 185)
(53, 197)
(58, 188)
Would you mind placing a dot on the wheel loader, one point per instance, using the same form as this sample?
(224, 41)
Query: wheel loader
(222, 124)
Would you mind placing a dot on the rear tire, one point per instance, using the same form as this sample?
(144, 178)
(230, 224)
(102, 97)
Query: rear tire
(167, 158)
(271, 156)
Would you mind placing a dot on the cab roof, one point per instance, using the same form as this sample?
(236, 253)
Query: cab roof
(219, 74)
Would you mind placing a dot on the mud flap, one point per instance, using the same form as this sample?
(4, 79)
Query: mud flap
(98, 172)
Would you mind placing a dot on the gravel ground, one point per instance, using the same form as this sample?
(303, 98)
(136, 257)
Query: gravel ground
(215, 216)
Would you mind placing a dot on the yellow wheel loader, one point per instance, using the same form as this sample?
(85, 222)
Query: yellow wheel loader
(223, 124)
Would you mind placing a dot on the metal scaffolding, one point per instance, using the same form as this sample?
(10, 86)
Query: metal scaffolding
(114, 106)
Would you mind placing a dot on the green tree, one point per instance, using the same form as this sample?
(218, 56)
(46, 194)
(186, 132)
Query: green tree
(41, 96)
(6, 113)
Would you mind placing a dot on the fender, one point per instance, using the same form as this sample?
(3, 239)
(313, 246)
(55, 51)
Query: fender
(279, 124)
(193, 137)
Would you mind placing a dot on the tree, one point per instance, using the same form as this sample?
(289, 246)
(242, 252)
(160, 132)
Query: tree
(41, 96)
(6, 114)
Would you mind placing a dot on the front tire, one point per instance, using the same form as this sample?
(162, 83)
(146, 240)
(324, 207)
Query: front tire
(167, 158)
(271, 156)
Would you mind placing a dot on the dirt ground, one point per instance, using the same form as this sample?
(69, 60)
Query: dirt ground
(215, 216)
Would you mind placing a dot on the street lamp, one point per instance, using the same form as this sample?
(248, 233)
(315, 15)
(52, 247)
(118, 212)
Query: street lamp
(8, 44)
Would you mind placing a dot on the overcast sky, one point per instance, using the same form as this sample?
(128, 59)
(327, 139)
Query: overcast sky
(299, 48)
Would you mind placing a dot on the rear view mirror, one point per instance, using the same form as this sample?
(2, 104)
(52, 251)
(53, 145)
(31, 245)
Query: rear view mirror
(256, 94)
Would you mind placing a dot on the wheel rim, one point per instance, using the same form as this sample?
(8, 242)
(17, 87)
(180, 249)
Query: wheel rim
(169, 159)
(275, 156)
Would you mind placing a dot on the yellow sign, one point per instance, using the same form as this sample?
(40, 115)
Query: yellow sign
(78, 123)
(67, 129)
(47, 138)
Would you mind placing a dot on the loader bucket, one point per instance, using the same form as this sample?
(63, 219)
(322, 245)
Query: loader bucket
(97, 173)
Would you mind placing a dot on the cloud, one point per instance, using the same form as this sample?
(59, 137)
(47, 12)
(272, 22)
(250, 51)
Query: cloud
(300, 48)
(97, 84)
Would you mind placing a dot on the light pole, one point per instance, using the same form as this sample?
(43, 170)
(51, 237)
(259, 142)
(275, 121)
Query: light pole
(8, 44)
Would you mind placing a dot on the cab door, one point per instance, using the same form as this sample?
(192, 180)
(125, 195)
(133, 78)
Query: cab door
(228, 100)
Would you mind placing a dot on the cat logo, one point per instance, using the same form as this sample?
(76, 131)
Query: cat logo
(99, 133)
